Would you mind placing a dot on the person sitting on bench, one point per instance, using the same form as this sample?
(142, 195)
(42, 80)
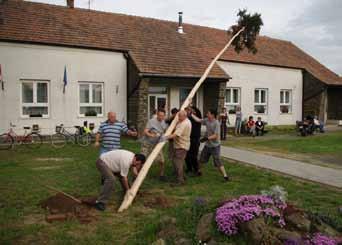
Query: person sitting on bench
(259, 127)
(318, 124)
(250, 126)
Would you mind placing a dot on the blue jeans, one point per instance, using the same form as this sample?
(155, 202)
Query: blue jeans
(238, 123)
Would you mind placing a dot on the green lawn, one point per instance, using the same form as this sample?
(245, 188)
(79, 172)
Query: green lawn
(324, 148)
(329, 143)
(22, 173)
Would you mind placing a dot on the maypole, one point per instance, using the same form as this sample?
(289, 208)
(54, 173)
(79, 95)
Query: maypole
(243, 35)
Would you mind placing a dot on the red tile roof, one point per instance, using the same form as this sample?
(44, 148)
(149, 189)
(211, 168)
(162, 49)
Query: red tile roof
(155, 45)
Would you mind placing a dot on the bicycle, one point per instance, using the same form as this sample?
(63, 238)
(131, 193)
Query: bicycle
(62, 136)
(32, 139)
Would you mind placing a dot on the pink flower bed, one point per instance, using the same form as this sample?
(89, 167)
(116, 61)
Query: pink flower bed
(246, 208)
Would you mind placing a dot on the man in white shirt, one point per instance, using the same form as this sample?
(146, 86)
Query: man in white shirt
(116, 163)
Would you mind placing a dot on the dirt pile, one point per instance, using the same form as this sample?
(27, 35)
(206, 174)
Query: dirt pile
(155, 200)
(62, 208)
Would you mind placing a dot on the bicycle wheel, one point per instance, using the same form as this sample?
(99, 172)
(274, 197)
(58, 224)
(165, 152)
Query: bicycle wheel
(33, 140)
(84, 140)
(58, 140)
(6, 141)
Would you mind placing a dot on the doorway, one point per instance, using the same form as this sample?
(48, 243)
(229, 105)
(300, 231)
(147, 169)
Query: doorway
(183, 94)
(155, 102)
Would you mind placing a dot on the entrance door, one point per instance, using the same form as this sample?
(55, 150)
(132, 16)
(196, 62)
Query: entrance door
(183, 94)
(334, 104)
(155, 102)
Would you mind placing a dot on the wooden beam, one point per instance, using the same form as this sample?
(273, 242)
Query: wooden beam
(65, 194)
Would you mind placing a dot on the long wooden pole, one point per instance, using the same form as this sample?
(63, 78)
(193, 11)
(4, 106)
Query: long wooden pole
(131, 193)
(65, 194)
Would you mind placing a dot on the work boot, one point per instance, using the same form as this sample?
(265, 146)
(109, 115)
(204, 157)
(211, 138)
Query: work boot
(177, 184)
(198, 173)
(100, 206)
(226, 179)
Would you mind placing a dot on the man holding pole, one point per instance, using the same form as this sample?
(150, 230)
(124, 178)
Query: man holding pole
(181, 143)
(212, 141)
(153, 130)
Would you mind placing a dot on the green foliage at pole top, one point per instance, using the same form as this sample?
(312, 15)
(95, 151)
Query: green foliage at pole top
(246, 39)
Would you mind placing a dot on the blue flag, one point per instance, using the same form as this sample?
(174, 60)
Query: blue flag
(65, 80)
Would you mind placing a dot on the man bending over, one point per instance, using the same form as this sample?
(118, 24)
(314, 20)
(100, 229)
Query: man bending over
(116, 163)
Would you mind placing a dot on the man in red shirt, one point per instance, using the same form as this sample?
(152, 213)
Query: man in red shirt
(250, 127)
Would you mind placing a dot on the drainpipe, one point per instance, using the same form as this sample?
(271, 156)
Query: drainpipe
(325, 119)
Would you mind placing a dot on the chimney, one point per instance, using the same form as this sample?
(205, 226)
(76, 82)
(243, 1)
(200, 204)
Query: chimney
(70, 4)
(180, 23)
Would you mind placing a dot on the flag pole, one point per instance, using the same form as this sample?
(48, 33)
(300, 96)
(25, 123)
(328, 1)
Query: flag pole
(131, 193)
(65, 79)
(1, 80)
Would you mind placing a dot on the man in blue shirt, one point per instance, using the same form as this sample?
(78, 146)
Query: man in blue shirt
(110, 133)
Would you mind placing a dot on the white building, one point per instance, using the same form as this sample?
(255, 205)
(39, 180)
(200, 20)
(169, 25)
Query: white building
(272, 93)
(134, 65)
(96, 81)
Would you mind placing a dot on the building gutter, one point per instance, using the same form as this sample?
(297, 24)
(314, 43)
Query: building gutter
(261, 64)
(145, 74)
(335, 85)
(63, 45)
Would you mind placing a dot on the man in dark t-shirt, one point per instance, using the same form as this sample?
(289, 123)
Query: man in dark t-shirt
(192, 164)
(259, 127)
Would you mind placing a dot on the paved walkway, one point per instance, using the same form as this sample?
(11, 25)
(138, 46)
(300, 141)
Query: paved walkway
(324, 175)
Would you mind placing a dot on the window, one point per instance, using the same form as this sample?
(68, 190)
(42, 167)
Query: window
(91, 99)
(232, 99)
(260, 101)
(183, 94)
(157, 99)
(35, 99)
(285, 101)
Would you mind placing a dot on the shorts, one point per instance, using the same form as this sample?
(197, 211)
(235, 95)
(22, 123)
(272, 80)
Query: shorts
(215, 152)
(146, 150)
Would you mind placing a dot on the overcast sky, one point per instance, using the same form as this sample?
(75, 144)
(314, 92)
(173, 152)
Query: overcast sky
(313, 25)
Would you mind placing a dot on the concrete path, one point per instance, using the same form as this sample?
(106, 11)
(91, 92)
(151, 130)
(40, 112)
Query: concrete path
(324, 175)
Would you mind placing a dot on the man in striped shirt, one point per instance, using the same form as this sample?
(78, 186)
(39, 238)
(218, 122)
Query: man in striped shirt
(110, 133)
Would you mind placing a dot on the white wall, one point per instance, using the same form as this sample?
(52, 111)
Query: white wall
(247, 77)
(23, 61)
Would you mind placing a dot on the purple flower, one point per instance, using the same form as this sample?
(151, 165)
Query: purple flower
(292, 242)
(320, 239)
(281, 222)
(200, 201)
(244, 209)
